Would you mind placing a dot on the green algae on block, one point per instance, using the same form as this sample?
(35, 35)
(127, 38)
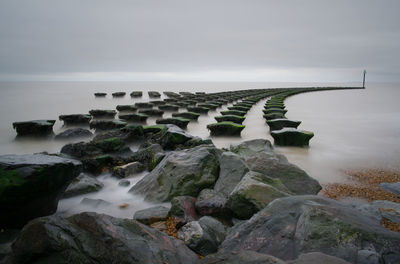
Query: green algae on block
(225, 128)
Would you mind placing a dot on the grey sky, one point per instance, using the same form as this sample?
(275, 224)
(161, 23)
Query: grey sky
(253, 40)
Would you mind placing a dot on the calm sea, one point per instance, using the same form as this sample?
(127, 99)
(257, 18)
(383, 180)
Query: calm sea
(353, 128)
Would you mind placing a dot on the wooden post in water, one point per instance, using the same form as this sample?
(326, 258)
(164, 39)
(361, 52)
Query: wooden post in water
(364, 79)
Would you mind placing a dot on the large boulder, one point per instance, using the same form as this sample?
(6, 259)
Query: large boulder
(183, 207)
(241, 257)
(184, 172)
(203, 236)
(290, 226)
(76, 119)
(211, 202)
(83, 184)
(31, 185)
(151, 215)
(232, 170)
(260, 157)
(94, 238)
(292, 137)
(34, 127)
(128, 169)
(74, 133)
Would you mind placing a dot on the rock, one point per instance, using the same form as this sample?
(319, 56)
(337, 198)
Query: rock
(184, 172)
(118, 94)
(274, 115)
(241, 257)
(81, 185)
(97, 238)
(187, 115)
(31, 186)
(280, 123)
(178, 121)
(75, 119)
(128, 169)
(103, 113)
(318, 257)
(253, 193)
(260, 157)
(274, 110)
(128, 133)
(144, 105)
(124, 183)
(169, 107)
(73, 133)
(101, 125)
(153, 94)
(152, 112)
(171, 94)
(290, 226)
(134, 117)
(231, 118)
(233, 112)
(198, 109)
(196, 141)
(95, 203)
(34, 127)
(122, 108)
(203, 236)
(183, 207)
(211, 202)
(391, 187)
(158, 102)
(154, 129)
(136, 94)
(367, 257)
(100, 94)
(151, 215)
(172, 136)
(147, 155)
(225, 128)
(388, 210)
(239, 108)
(209, 106)
(292, 137)
(232, 170)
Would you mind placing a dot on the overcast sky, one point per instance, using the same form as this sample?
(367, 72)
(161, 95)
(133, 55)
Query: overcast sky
(202, 40)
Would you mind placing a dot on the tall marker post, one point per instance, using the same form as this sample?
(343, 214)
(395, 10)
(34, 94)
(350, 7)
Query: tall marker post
(364, 78)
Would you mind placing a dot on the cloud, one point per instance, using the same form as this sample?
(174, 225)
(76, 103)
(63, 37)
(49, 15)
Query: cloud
(159, 39)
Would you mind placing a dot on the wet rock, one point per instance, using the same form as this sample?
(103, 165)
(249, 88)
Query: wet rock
(147, 155)
(95, 203)
(280, 123)
(136, 94)
(152, 112)
(100, 94)
(169, 107)
(31, 186)
(151, 215)
(187, 115)
(274, 115)
(318, 257)
(291, 137)
(72, 133)
(196, 141)
(122, 108)
(209, 106)
(211, 202)
(101, 125)
(290, 226)
(144, 105)
(97, 238)
(388, 210)
(198, 109)
(171, 94)
(154, 94)
(231, 118)
(253, 193)
(124, 183)
(391, 187)
(232, 170)
(203, 236)
(239, 108)
(183, 207)
(274, 110)
(260, 157)
(128, 133)
(34, 127)
(97, 113)
(134, 117)
(75, 119)
(83, 184)
(184, 172)
(128, 169)
(178, 121)
(233, 112)
(225, 128)
(118, 94)
(158, 102)
(242, 257)
(170, 136)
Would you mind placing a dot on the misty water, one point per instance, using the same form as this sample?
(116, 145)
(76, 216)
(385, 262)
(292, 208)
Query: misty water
(353, 128)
